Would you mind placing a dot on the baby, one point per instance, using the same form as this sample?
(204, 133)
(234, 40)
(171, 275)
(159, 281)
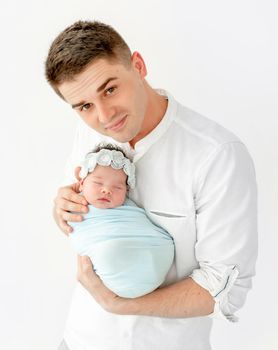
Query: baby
(130, 253)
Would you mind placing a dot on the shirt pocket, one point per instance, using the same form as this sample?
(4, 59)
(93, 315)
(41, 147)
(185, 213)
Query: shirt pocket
(181, 226)
(174, 223)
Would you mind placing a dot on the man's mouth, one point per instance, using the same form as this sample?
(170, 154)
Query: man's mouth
(116, 126)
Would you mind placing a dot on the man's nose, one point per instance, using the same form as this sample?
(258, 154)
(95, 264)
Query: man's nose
(105, 113)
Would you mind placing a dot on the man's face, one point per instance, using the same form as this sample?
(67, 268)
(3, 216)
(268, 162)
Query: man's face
(110, 97)
(105, 187)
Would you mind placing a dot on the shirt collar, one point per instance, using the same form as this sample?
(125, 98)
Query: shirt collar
(142, 146)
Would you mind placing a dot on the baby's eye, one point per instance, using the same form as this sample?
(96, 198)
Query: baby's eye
(97, 183)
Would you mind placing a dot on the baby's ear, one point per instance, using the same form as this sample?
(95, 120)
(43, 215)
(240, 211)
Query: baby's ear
(76, 173)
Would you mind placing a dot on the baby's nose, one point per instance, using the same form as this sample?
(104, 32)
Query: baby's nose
(106, 190)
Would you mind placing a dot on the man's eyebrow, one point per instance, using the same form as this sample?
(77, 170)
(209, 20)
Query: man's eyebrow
(99, 89)
(102, 86)
(77, 105)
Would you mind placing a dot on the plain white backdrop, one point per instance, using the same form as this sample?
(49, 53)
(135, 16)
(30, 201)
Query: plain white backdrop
(217, 57)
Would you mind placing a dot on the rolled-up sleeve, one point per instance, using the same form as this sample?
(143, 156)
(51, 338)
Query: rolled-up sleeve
(226, 223)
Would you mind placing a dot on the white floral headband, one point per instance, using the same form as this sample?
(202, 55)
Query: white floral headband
(106, 157)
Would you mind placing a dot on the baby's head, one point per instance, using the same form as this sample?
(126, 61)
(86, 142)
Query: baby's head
(105, 176)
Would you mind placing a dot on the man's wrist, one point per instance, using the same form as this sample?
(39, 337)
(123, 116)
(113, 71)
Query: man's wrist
(129, 306)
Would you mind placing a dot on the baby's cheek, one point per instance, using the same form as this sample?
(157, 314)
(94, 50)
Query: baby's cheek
(119, 199)
(123, 197)
(89, 195)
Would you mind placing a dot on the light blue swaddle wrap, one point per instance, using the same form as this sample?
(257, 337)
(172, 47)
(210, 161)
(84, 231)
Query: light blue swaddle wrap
(130, 253)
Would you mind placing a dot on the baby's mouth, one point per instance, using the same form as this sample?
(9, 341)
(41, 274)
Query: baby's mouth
(104, 200)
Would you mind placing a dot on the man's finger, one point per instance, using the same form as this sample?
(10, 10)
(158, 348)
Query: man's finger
(70, 217)
(79, 262)
(69, 194)
(67, 229)
(85, 263)
(84, 267)
(67, 205)
(77, 198)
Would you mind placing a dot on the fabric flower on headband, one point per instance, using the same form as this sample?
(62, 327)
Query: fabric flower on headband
(106, 157)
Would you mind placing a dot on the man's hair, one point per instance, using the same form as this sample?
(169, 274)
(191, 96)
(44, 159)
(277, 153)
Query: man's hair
(78, 46)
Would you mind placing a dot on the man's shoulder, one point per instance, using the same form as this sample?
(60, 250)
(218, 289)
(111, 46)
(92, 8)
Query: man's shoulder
(200, 129)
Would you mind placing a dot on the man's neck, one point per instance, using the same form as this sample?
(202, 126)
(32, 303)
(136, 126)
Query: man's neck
(157, 106)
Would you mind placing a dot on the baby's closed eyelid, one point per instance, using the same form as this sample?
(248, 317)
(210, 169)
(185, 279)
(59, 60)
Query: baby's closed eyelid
(120, 186)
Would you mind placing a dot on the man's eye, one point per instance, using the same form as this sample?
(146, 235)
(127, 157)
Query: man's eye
(110, 90)
(85, 107)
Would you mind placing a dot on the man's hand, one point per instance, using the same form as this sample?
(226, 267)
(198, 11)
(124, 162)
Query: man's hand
(110, 301)
(68, 200)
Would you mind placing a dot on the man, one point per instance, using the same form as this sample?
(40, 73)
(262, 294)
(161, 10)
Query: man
(195, 179)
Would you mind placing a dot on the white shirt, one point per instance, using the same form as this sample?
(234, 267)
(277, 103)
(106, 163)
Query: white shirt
(196, 180)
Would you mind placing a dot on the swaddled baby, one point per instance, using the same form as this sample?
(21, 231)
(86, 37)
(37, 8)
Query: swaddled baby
(130, 253)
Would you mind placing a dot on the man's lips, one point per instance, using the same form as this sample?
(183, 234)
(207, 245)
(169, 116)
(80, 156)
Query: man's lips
(116, 126)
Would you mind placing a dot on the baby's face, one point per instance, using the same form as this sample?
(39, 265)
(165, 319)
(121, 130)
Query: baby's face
(105, 187)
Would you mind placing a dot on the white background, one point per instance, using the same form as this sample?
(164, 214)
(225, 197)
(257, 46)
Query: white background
(217, 57)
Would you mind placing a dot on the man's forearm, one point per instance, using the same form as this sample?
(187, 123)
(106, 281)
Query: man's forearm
(179, 300)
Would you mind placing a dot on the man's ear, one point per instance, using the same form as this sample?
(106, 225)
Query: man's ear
(139, 64)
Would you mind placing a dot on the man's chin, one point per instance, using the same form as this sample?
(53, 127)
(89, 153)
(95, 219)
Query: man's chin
(120, 138)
